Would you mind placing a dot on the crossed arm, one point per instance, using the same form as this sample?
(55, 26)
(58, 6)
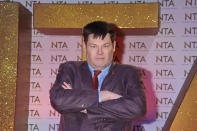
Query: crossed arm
(105, 95)
(131, 105)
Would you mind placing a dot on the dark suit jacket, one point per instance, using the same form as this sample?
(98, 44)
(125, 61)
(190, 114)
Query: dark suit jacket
(112, 115)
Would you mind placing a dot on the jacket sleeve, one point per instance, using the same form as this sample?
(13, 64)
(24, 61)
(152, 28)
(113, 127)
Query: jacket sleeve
(131, 106)
(70, 100)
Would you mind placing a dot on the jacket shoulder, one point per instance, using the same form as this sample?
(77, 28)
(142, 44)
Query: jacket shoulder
(73, 63)
(126, 67)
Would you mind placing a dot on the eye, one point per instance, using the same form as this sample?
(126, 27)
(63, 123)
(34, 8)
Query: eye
(106, 45)
(92, 46)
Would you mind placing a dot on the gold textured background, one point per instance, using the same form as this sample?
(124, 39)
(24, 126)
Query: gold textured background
(183, 116)
(8, 65)
(186, 117)
(68, 19)
(15, 59)
(78, 15)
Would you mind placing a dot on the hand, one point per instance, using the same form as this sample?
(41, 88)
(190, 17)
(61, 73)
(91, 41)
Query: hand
(84, 111)
(108, 95)
(66, 86)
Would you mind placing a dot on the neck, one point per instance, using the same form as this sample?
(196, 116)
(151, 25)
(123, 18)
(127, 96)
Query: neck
(99, 68)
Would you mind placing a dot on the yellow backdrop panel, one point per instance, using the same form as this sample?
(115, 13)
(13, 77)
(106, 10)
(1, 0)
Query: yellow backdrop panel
(15, 59)
(70, 18)
(186, 117)
(78, 15)
(8, 65)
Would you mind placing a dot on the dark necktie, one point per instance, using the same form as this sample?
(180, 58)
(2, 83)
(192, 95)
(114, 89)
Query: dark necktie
(95, 79)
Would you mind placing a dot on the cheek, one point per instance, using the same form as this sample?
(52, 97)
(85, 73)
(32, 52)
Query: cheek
(110, 54)
(90, 55)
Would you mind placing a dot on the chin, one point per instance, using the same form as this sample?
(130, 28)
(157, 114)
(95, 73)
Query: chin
(100, 67)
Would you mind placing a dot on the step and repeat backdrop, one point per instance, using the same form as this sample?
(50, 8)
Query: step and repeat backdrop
(165, 60)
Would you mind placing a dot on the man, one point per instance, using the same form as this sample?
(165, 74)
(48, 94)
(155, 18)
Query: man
(119, 98)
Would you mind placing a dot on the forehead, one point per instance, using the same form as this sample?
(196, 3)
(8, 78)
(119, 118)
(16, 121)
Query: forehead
(92, 39)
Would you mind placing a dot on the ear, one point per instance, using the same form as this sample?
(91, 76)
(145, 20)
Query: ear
(114, 46)
(84, 46)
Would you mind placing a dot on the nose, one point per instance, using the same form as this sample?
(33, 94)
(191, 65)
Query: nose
(100, 50)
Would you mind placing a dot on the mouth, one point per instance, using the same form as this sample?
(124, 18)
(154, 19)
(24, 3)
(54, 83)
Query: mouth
(99, 58)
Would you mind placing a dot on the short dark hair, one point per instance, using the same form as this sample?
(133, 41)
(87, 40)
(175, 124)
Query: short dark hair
(98, 29)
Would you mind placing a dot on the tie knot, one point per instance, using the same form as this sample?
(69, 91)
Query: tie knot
(96, 72)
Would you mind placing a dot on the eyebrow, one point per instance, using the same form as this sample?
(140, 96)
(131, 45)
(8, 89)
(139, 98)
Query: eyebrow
(92, 44)
(96, 44)
(106, 43)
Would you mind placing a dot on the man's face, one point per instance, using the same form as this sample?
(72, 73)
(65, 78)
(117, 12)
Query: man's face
(99, 52)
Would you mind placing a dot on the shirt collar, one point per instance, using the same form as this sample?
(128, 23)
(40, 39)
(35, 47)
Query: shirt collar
(105, 70)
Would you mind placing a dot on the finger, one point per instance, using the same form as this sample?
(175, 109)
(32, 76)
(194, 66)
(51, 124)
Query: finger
(67, 85)
(115, 96)
(84, 111)
(63, 86)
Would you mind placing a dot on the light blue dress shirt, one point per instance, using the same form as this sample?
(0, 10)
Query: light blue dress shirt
(101, 77)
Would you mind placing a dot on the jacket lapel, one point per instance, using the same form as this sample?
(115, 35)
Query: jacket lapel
(107, 82)
(85, 75)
